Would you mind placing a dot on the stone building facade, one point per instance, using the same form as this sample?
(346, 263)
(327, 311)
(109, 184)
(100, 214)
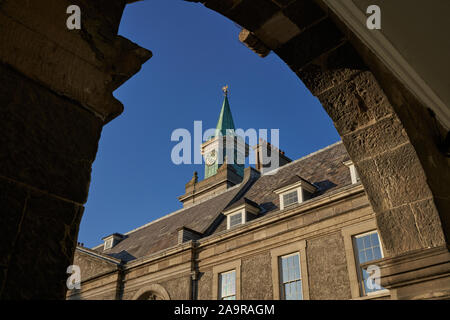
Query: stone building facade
(385, 90)
(303, 231)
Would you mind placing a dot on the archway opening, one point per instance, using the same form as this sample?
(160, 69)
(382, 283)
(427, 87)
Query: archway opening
(196, 51)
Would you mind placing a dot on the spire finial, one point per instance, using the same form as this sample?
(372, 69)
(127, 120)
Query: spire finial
(225, 91)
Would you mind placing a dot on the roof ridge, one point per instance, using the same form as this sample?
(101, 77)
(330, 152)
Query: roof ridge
(304, 157)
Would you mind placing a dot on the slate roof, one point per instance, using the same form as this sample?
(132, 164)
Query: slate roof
(162, 233)
(240, 202)
(324, 169)
(295, 178)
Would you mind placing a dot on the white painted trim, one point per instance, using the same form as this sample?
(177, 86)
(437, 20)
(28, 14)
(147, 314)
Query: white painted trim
(243, 218)
(355, 19)
(299, 248)
(354, 175)
(299, 196)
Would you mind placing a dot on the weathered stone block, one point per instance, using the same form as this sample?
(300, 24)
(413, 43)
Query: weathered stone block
(374, 139)
(277, 31)
(304, 13)
(12, 203)
(253, 43)
(402, 175)
(373, 184)
(44, 249)
(47, 141)
(252, 14)
(330, 70)
(310, 44)
(398, 230)
(355, 103)
(428, 223)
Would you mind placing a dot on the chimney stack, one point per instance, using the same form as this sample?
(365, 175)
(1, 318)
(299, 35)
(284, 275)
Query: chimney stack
(263, 156)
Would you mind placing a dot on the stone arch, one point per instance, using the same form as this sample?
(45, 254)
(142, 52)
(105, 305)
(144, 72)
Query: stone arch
(152, 292)
(367, 105)
(390, 136)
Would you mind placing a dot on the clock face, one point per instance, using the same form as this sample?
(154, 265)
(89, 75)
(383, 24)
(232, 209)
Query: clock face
(211, 158)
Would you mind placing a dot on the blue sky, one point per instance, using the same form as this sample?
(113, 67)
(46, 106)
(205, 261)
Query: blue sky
(195, 53)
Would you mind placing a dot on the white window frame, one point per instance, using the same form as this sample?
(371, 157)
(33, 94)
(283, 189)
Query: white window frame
(243, 219)
(243, 210)
(226, 267)
(299, 197)
(354, 175)
(299, 187)
(108, 243)
(282, 295)
(299, 193)
(358, 265)
(220, 294)
(299, 248)
(348, 233)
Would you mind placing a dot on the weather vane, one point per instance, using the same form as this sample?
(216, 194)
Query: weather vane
(225, 90)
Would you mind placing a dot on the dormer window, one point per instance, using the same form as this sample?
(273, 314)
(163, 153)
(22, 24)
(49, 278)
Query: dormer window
(240, 212)
(108, 244)
(235, 219)
(353, 172)
(294, 191)
(111, 240)
(290, 198)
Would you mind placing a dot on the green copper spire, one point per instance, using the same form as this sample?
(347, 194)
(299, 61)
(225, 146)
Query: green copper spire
(215, 157)
(225, 118)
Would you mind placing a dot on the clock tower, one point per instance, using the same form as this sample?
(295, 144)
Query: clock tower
(225, 146)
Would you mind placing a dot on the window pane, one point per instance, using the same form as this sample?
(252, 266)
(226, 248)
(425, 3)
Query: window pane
(359, 243)
(227, 285)
(291, 285)
(284, 277)
(377, 253)
(293, 290)
(299, 290)
(296, 274)
(235, 219)
(290, 198)
(369, 254)
(368, 249)
(375, 241)
(362, 256)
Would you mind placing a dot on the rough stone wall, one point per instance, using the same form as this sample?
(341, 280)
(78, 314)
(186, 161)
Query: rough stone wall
(256, 277)
(327, 268)
(426, 135)
(178, 288)
(55, 95)
(205, 285)
(91, 266)
(57, 92)
(379, 132)
(45, 144)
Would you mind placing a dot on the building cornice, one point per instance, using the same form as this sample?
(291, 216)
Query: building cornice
(308, 205)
